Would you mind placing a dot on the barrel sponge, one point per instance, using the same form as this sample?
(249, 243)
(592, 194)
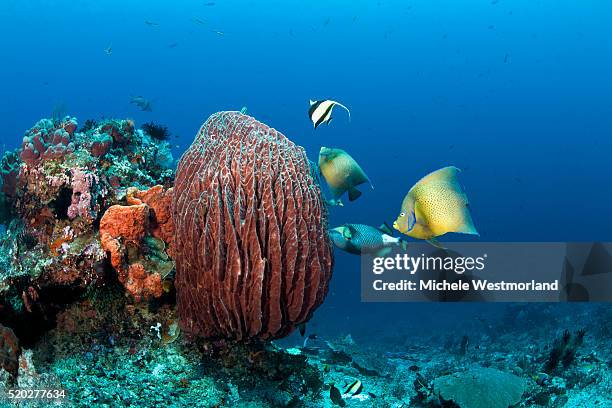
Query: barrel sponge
(253, 258)
(480, 387)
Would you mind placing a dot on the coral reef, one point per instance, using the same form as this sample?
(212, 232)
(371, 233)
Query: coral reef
(480, 388)
(9, 350)
(55, 189)
(156, 131)
(252, 253)
(564, 351)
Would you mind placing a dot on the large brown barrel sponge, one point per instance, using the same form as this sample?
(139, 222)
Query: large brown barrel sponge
(253, 258)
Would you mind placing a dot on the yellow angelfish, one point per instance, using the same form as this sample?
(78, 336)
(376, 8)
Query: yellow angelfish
(435, 205)
(341, 172)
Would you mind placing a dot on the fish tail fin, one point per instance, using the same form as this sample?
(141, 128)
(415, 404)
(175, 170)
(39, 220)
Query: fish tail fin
(345, 108)
(354, 194)
(433, 241)
(467, 227)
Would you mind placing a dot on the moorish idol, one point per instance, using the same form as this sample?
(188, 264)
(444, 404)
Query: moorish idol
(321, 111)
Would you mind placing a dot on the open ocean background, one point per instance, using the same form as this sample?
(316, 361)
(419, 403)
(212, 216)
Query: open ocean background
(515, 93)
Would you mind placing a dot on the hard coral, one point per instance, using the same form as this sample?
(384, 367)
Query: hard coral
(480, 388)
(82, 204)
(9, 350)
(48, 140)
(56, 188)
(9, 169)
(101, 145)
(252, 253)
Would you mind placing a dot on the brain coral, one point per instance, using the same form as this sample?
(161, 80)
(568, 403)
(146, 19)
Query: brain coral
(480, 388)
(253, 257)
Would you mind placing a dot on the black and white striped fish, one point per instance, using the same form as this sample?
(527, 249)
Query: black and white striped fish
(321, 111)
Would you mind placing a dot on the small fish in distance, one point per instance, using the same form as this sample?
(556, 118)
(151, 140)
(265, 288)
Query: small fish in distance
(142, 103)
(354, 388)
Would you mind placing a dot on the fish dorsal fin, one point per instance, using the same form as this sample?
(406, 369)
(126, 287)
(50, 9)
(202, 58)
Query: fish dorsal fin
(385, 228)
(444, 175)
(344, 107)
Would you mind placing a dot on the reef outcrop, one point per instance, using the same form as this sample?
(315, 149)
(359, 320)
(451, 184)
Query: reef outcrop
(54, 190)
(253, 258)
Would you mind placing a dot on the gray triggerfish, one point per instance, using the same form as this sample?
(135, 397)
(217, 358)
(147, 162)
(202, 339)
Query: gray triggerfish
(435, 205)
(321, 111)
(341, 172)
(363, 239)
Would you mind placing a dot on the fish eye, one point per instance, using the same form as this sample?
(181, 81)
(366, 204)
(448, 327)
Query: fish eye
(402, 214)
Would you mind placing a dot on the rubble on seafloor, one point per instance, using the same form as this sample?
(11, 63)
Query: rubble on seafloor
(108, 351)
(87, 305)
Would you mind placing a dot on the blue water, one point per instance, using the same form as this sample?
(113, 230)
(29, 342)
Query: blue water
(516, 93)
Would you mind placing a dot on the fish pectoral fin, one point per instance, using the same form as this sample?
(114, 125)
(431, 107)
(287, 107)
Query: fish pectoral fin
(354, 194)
(336, 192)
(348, 232)
(385, 228)
(433, 241)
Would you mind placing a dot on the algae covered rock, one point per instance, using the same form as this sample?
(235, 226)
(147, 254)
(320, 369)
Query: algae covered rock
(480, 388)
